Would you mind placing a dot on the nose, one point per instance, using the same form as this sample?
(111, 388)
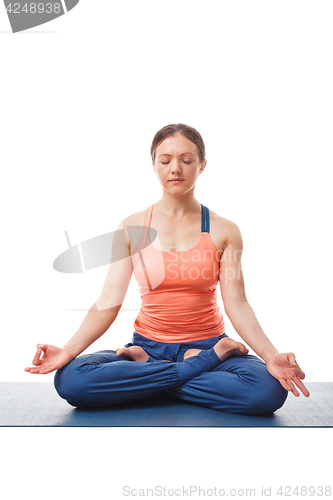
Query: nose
(175, 167)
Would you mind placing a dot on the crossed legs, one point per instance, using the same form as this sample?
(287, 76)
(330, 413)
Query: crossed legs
(241, 384)
(223, 377)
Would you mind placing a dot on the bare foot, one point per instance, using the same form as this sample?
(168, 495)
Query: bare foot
(191, 352)
(224, 348)
(135, 353)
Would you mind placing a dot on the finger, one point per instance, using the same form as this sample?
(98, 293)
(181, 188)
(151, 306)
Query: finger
(295, 392)
(286, 385)
(47, 369)
(40, 370)
(292, 359)
(295, 365)
(290, 387)
(33, 369)
(301, 386)
(299, 372)
(36, 360)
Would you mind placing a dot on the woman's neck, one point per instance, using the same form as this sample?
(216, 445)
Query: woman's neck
(177, 206)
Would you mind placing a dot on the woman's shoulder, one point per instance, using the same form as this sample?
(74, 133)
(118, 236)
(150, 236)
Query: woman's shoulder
(223, 230)
(133, 236)
(222, 222)
(135, 219)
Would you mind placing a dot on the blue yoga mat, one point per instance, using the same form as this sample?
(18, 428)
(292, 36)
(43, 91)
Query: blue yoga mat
(38, 405)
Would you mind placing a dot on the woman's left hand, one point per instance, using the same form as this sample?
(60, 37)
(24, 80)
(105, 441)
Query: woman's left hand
(284, 368)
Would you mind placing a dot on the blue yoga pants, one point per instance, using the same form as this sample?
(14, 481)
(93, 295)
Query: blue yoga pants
(241, 384)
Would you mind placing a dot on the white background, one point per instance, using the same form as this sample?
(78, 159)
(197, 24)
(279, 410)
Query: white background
(81, 99)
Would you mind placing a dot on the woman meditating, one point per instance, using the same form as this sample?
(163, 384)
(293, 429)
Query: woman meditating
(179, 343)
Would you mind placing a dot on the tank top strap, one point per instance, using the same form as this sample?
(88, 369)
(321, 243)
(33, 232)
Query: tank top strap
(204, 219)
(148, 215)
(144, 239)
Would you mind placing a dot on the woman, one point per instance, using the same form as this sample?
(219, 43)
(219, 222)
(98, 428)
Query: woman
(179, 344)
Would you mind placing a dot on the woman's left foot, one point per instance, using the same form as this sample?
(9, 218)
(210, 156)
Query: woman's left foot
(224, 348)
(135, 353)
(191, 352)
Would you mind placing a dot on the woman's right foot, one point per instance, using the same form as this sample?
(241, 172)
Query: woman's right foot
(224, 348)
(227, 347)
(135, 353)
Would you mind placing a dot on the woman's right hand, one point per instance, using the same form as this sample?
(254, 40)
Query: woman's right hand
(49, 358)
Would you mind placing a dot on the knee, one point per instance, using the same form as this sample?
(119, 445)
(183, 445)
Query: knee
(66, 383)
(269, 396)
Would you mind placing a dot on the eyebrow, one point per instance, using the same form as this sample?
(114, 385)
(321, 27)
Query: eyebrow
(166, 154)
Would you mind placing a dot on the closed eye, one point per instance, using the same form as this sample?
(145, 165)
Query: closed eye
(166, 162)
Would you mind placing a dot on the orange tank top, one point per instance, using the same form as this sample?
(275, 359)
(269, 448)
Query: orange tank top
(178, 289)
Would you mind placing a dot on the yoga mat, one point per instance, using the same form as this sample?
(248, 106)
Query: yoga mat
(37, 404)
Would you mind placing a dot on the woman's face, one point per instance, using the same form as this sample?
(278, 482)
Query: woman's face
(178, 157)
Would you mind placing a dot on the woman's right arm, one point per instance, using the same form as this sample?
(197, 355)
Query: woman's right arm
(101, 314)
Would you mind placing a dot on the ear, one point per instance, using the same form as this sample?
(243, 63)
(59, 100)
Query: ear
(203, 166)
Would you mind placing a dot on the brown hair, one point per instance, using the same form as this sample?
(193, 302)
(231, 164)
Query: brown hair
(178, 128)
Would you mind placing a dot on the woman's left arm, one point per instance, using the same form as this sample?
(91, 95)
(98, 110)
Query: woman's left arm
(282, 366)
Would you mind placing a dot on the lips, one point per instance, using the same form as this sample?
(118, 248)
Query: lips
(176, 180)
